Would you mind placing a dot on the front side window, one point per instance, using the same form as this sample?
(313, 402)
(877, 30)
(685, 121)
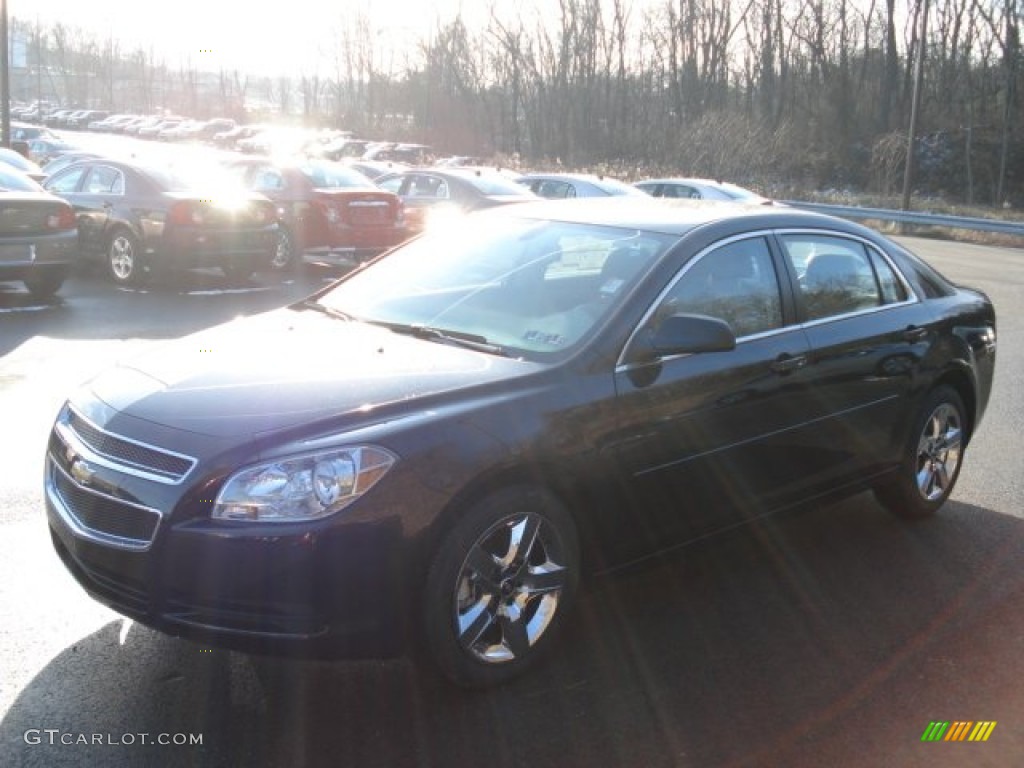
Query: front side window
(66, 183)
(838, 276)
(267, 178)
(734, 282)
(428, 186)
(680, 190)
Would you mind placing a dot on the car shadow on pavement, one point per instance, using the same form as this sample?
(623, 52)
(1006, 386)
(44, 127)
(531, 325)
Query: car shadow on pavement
(831, 636)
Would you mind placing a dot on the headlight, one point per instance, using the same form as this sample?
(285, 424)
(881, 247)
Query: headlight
(302, 487)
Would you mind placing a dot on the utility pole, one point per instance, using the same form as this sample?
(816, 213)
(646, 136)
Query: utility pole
(915, 103)
(5, 77)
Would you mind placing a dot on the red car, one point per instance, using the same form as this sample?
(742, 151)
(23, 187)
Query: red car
(330, 214)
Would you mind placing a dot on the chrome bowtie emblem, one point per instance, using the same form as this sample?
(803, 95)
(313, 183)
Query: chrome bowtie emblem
(82, 472)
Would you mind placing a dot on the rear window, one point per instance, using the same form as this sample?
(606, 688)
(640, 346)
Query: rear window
(194, 177)
(497, 185)
(331, 177)
(925, 278)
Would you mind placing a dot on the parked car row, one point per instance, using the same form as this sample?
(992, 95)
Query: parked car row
(134, 205)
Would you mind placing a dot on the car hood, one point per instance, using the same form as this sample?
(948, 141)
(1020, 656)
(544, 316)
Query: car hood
(292, 367)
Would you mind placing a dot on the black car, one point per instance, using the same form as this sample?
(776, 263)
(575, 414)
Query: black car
(437, 447)
(146, 217)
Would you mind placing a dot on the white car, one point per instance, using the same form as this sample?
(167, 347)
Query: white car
(701, 189)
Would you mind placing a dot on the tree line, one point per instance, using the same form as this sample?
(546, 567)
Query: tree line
(775, 93)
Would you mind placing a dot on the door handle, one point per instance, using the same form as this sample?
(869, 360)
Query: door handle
(914, 334)
(786, 363)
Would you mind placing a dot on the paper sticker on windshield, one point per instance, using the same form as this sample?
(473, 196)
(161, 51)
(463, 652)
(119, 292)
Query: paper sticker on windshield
(551, 339)
(611, 286)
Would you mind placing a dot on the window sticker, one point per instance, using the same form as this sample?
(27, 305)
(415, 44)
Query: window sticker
(551, 339)
(611, 286)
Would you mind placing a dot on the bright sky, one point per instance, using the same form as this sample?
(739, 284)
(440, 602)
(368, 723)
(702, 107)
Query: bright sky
(245, 34)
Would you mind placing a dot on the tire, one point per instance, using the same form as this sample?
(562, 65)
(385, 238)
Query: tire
(490, 610)
(124, 258)
(44, 283)
(236, 271)
(284, 252)
(932, 458)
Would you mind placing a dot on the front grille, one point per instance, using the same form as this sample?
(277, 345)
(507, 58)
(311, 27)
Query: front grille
(129, 455)
(101, 517)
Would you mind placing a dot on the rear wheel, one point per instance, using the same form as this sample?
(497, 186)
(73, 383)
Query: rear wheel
(932, 460)
(124, 262)
(284, 251)
(500, 586)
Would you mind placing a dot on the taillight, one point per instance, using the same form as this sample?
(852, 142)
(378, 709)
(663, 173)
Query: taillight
(264, 213)
(185, 213)
(330, 211)
(64, 218)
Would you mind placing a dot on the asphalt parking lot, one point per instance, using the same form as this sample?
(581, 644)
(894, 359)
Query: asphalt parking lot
(824, 637)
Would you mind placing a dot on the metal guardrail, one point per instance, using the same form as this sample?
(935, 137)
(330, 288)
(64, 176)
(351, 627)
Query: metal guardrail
(912, 217)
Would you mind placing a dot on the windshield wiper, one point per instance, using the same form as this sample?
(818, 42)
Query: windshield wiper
(459, 338)
(336, 313)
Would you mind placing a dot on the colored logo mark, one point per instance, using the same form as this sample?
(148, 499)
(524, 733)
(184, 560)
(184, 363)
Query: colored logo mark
(958, 730)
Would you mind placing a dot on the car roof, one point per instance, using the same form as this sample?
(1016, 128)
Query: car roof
(671, 216)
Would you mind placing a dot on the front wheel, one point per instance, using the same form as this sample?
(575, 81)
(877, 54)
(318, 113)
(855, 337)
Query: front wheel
(500, 586)
(932, 459)
(284, 251)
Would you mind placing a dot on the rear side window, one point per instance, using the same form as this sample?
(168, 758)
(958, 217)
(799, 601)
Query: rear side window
(838, 276)
(104, 180)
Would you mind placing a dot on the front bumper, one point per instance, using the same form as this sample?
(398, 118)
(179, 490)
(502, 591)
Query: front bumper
(147, 548)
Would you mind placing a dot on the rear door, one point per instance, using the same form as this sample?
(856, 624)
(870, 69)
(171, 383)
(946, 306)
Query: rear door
(868, 334)
(67, 184)
(102, 189)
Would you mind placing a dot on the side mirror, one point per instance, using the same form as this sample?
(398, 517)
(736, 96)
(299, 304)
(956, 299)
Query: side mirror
(690, 334)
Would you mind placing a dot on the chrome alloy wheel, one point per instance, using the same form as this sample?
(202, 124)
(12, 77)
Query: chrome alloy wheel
(123, 258)
(938, 452)
(508, 588)
(284, 251)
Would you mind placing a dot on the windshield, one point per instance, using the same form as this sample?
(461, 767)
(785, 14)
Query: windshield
(192, 176)
(536, 289)
(496, 185)
(324, 176)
